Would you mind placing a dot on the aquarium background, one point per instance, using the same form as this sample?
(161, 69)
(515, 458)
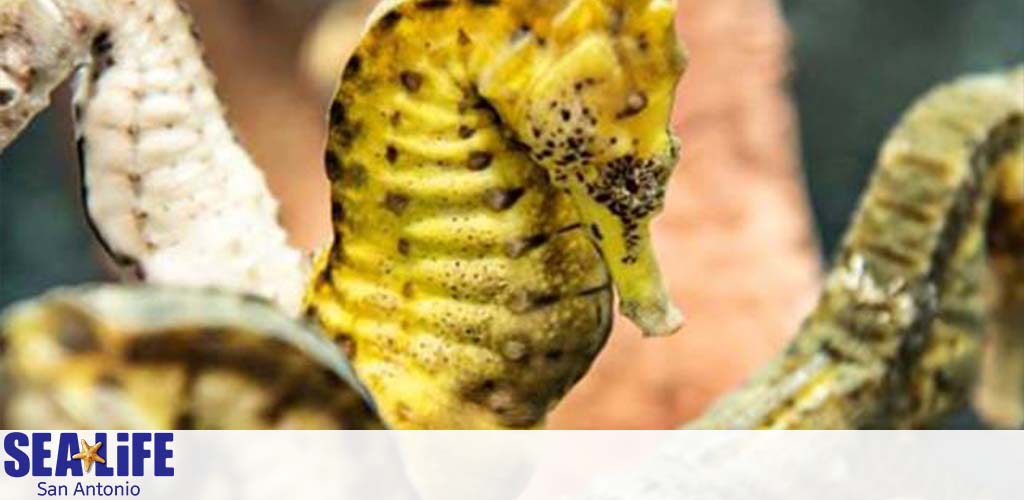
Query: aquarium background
(856, 66)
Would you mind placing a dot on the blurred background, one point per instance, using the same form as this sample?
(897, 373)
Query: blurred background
(781, 114)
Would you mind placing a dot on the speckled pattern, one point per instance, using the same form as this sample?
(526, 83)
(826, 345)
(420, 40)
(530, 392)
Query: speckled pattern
(40, 40)
(494, 167)
(895, 338)
(149, 358)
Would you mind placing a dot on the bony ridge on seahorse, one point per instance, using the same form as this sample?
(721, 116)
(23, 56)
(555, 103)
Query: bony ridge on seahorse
(494, 167)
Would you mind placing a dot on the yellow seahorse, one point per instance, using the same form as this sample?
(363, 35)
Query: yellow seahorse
(495, 165)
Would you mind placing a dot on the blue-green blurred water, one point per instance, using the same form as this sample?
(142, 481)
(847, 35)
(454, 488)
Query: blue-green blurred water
(44, 239)
(861, 63)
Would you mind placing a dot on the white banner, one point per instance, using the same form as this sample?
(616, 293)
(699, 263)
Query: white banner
(598, 465)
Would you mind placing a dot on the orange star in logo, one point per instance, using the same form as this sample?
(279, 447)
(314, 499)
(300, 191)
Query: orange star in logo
(89, 455)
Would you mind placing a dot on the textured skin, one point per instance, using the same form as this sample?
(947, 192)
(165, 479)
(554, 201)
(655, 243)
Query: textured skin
(482, 166)
(144, 358)
(1000, 395)
(894, 340)
(169, 190)
(40, 41)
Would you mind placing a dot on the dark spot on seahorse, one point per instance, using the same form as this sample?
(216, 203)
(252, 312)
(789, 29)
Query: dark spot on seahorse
(642, 43)
(479, 160)
(396, 203)
(354, 175)
(466, 132)
(109, 380)
(554, 355)
(566, 115)
(485, 3)
(545, 300)
(408, 290)
(337, 211)
(337, 113)
(102, 43)
(464, 38)
(102, 59)
(347, 345)
(345, 133)
(518, 247)
(404, 247)
(411, 80)
(433, 4)
(635, 103)
(75, 332)
(6, 96)
(943, 381)
(333, 165)
(499, 199)
(596, 231)
(186, 421)
(391, 155)
(389, 20)
(355, 63)
(338, 252)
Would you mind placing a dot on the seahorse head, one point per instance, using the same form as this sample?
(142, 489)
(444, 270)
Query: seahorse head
(591, 94)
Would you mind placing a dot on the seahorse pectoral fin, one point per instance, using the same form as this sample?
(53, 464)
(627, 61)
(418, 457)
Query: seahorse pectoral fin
(626, 247)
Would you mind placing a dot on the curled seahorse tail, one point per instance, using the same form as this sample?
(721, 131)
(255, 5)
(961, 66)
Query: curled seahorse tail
(107, 357)
(894, 340)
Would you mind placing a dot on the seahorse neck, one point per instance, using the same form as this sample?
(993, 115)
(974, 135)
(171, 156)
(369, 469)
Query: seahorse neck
(168, 187)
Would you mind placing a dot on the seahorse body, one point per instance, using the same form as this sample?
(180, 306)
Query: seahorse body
(895, 338)
(169, 190)
(494, 166)
(40, 41)
(149, 358)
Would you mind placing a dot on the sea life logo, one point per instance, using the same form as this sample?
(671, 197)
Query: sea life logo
(61, 457)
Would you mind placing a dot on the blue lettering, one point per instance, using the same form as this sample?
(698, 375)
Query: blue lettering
(161, 454)
(40, 454)
(102, 470)
(18, 465)
(122, 454)
(51, 490)
(141, 453)
(67, 447)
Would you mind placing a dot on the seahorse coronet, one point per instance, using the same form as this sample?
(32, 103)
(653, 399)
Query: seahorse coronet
(494, 167)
